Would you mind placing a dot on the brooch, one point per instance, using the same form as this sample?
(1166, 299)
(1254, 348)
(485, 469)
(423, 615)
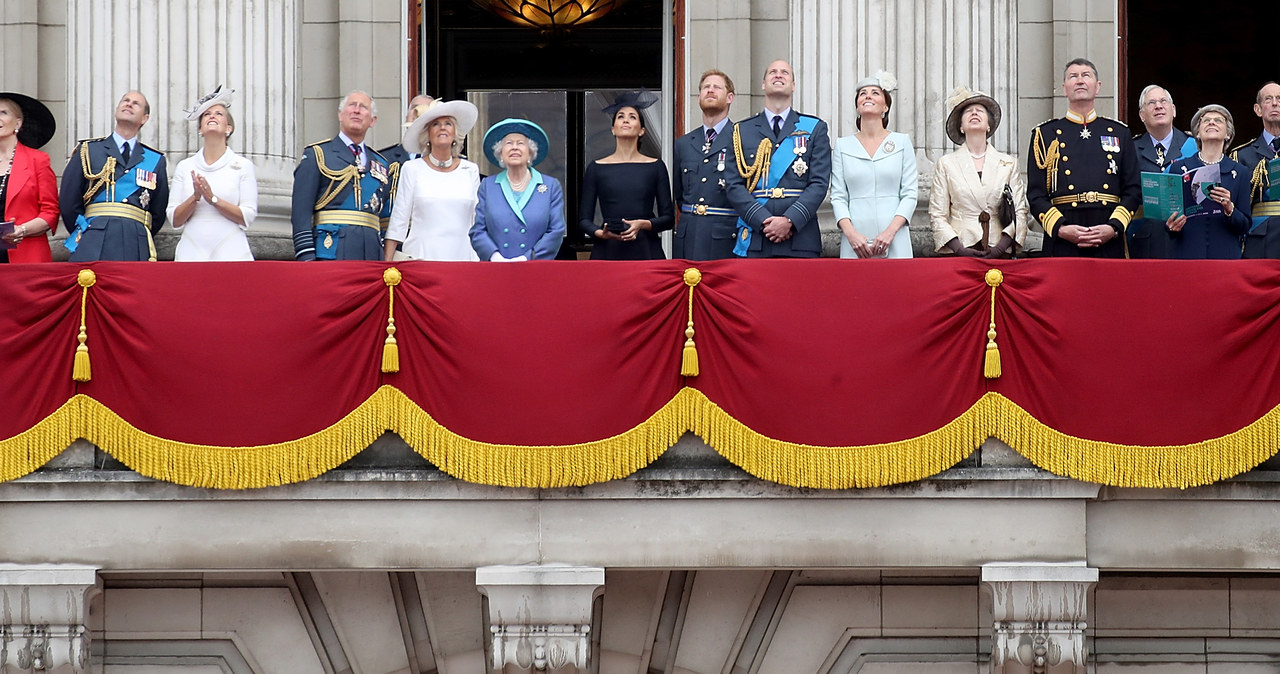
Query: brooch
(542, 188)
(889, 146)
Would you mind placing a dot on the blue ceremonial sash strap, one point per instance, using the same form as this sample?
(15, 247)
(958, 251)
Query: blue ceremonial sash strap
(784, 154)
(127, 184)
(519, 201)
(73, 238)
(1188, 148)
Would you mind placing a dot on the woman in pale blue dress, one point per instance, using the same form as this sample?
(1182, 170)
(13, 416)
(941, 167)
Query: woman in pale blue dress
(873, 178)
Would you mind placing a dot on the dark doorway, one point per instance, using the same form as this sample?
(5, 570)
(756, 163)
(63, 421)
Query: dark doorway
(1226, 65)
(468, 49)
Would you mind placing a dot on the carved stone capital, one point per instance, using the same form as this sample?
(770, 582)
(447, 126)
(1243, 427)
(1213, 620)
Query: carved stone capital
(540, 616)
(44, 613)
(1040, 613)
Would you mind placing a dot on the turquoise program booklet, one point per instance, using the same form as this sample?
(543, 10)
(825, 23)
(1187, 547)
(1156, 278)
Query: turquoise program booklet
(1164, 194)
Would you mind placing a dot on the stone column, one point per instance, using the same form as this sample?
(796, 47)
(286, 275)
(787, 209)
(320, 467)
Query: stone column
(174, 53)
(540, 616)
(1039, 613)
(44, 616)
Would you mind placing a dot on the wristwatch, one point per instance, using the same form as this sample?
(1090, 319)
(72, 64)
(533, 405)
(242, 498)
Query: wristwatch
(214, 200)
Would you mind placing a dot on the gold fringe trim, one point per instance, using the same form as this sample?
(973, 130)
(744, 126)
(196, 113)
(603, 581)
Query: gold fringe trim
(1160, 467)
(879, 465)
(616, 457)
(547, 466)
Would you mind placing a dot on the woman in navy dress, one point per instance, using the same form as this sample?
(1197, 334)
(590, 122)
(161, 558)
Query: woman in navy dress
(520, 215)
(1218, 233)
(634, 191)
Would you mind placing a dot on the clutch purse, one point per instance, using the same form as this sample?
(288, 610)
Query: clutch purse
(1007, 212)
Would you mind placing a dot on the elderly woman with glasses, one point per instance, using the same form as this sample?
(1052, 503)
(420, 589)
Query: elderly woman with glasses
(520, 215)
(1216, 225)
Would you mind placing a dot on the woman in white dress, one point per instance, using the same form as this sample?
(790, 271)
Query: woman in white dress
(873, 178)
(966, 204)
(213, 197)
(435, 203)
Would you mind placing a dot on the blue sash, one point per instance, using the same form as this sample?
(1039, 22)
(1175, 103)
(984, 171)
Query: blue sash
(779, 163)
(124, 187)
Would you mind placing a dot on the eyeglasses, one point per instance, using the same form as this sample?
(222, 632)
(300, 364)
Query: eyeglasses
(1213, 118)
(1152, 102)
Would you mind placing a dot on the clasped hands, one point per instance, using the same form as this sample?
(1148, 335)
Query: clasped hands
(1087, 237)
(1220, 194)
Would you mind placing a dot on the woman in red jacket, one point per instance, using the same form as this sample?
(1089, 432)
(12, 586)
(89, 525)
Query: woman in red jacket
(28, 191)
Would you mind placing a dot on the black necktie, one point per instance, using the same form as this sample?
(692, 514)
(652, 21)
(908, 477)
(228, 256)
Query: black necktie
(124, 152)
(1275, 145)
(355, 150)
(777, 126)
(711, 137)
(1159, 154)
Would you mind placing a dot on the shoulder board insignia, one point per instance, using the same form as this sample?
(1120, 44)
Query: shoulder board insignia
(150, 148)
(377, 153)
(1243, 145)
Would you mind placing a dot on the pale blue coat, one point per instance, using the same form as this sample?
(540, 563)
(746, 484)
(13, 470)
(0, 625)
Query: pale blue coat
(870, 191)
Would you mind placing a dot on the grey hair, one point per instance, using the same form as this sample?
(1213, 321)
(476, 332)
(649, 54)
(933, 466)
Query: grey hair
(533, 151)
(1213, 107)
(373, 102)
(1080, 62)
(1146, 91)
(424, 136)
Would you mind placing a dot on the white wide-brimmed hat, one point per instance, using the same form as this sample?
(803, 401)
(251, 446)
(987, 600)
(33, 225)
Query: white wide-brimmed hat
(218, 96)
(465, 113)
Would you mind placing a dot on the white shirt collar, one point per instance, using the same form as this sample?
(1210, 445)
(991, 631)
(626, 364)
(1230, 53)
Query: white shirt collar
(719, 127)
(1167, 141)
(770, 115)
(121, 140)
(364, 152)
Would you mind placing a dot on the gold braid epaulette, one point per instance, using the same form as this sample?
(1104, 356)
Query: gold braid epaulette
(1257, 181)
(107, 176)
(349, 174)
(754, 172)
(1047, 160)
(393, 177)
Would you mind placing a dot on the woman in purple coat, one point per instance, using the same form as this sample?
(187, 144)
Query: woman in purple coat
(520, 215)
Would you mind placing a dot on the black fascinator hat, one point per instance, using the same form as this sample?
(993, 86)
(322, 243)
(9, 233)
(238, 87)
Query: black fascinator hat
(631, 99)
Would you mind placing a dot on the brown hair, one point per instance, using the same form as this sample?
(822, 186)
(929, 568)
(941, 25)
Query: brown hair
(888, 105)
(231, 121)
(728, 83)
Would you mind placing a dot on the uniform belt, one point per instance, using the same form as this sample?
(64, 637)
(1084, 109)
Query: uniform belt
(1266, 209)
(343, 217)
(776, 193)
(703, 209)
(1086, 198)
(112, 209)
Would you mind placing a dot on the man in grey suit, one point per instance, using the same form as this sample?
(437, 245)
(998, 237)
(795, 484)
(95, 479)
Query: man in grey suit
(1161, 145)
(783, 162)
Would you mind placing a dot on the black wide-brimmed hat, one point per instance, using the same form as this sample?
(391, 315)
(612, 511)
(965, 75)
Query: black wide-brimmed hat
(38, 124)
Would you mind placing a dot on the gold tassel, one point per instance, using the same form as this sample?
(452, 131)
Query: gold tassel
(391, 350)
(689, 363)
(991, 365)
(80, 368)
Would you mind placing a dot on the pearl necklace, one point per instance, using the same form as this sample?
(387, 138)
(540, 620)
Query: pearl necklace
(439, 163)
(1206, 161)
(523, 184)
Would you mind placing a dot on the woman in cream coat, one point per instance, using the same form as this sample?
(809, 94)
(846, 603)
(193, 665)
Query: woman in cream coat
(969, 183)
(873, 178)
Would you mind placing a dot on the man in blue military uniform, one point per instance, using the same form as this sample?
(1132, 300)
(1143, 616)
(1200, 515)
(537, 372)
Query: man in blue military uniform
(396, 155)
(1161, 145)
(707, 224)
(1263, 239)
(115, 191)
(783, 162)
(1082, 174)
(341, 191)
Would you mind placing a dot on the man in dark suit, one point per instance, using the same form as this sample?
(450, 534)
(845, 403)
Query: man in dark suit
(1161, 145)
(341, 190)
(115, 191)
(1263, 239)
(783, 161)
(1082, 174)
(396, 155)
(707, 224)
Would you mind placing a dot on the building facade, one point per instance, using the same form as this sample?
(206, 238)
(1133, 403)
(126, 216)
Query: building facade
(387, 565)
